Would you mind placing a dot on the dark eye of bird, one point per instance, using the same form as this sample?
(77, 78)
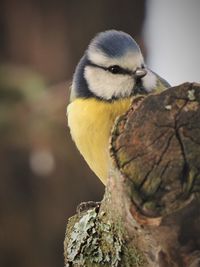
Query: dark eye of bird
(115, 69)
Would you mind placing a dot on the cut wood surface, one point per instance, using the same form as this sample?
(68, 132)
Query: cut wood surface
(150, 213)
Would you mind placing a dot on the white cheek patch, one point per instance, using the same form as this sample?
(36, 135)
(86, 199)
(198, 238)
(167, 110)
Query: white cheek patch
(131, 60)
(107, 85)
(149, 81)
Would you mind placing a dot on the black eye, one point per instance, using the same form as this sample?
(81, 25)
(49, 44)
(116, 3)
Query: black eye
(115, 69)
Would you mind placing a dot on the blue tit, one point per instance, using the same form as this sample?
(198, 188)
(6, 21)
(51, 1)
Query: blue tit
(110, 73)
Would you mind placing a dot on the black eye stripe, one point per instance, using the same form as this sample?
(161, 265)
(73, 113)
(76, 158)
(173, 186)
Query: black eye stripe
(121, 70)
(118, 70)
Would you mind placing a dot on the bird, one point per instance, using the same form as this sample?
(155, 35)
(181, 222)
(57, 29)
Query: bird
(109, 75)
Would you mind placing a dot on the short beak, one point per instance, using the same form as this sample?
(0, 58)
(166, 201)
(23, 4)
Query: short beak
(140, 73)
(139, 87)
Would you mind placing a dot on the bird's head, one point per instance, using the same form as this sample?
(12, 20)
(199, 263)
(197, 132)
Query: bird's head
(111, 68)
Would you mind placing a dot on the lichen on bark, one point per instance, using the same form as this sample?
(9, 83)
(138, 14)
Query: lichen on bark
(92, 240)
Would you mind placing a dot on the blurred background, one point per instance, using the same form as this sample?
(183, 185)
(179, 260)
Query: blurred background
(42, 176)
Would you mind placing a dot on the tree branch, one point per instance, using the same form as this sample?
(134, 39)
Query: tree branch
(150, 213)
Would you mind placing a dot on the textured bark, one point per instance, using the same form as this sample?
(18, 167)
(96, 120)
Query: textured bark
(150, 213)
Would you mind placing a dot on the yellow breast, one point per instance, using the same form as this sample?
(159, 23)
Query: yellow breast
(90, 121)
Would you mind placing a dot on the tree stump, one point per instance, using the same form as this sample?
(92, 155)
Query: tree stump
(150, 213)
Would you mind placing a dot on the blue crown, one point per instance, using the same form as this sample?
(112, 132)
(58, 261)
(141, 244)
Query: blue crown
(114, 43)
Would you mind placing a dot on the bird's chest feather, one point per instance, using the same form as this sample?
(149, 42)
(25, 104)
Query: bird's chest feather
(90, 123)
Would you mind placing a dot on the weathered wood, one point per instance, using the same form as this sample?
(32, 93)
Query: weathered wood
(150, 214)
